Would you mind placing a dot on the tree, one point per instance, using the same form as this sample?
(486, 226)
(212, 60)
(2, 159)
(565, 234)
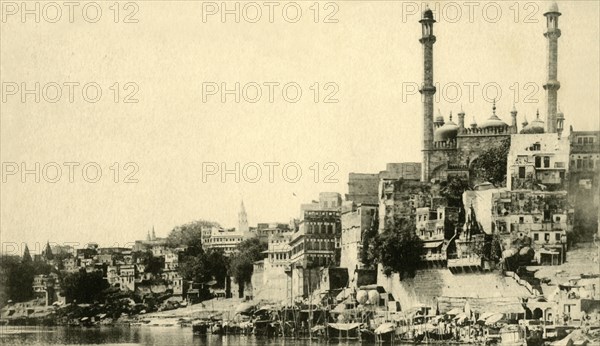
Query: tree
(368, 239)
(47, 253)
(399, 249)
(84, 287)
(26, 255)
(218, 265)
(491, 164)
(151, 263)
(16, 279)
(189, 235)
(242, 262)
(453, 189)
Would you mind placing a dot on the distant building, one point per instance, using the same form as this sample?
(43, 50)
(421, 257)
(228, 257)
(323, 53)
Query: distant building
(243, 219)
(363, 187)
(265, 230)
(46, 287)
(225, 239)
(127, 278)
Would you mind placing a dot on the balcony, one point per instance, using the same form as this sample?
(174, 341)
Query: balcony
(434, 257)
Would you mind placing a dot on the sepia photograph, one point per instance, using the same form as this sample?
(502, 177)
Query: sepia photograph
(307, 172)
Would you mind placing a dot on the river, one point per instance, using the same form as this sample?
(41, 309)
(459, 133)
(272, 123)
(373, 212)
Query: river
(138, 335)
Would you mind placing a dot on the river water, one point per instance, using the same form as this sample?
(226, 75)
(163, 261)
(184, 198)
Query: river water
(138, 335)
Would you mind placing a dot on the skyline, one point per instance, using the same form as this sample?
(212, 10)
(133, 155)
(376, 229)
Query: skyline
(170, 150)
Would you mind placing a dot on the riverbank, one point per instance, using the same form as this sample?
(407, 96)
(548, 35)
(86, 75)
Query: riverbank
(30, 314)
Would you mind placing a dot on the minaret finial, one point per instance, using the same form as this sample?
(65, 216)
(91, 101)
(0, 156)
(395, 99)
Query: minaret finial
(537, 114)
(450, 115)
(494, 107)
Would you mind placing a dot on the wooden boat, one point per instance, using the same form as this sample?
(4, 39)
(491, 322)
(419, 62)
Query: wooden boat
(343, 331)
(200, 327)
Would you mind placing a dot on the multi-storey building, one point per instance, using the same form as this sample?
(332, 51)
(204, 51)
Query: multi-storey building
(278, 251)
(225, 239)
(317, 241)
(538, 161)
(363, 187)
(265, 230)
(45, 287)
(171, 260)
(584, 181)
(127, 277)
(356, 220)
(434, 226)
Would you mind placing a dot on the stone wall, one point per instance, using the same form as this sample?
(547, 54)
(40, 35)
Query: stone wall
(431, 283)
(470, 147)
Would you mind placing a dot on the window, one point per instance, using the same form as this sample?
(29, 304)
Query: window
(580, 140)
(579, 164)
(521, 172)
(537, 146)
(557, 236)
(538, 162)
(546, 161)
(536, 236)
(547, 236)
(521, 219)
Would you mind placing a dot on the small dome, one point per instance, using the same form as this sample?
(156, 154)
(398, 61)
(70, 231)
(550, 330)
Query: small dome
(560, 114)
(536, 126)
(446, 132)
(427, 13)
(439, 118)
(553, 7)
(473, 123)
(493, 121)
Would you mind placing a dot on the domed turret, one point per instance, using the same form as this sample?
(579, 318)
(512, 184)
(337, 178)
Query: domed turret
(446, 132)
(473, 123)
(536, 126)
(427, 13)
(439, 120)
(493, 121)
(560, 115)
(552, 9)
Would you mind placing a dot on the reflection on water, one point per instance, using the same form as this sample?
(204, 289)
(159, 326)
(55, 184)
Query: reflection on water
(147, 336)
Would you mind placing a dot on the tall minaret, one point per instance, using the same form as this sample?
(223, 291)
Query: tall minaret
(427, 89)
(513, 117)
(552, 85)
(243, 219)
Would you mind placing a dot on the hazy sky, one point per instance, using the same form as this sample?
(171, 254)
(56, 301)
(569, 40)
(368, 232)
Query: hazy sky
(369, 56)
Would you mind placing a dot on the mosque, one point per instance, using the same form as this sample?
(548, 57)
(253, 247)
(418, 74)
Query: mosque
(449, 147)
